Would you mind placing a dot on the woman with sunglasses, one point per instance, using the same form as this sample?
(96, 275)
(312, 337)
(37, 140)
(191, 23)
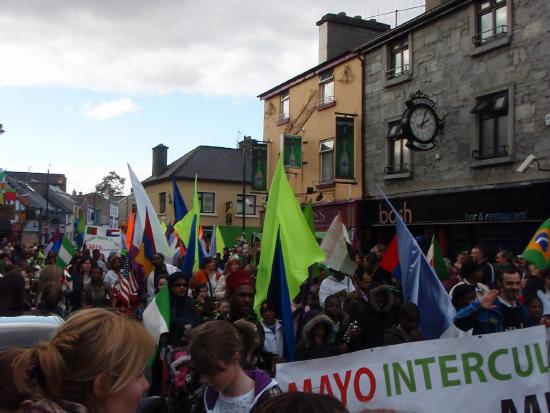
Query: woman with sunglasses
(183, 313)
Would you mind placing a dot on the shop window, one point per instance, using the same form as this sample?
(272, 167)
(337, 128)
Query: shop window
(399, 59)
(492, 120)
(250, 204)
(399, 155)
(492, 20)
(284, 107)
(162, 203)
(326, 162)
(207, 202)
(326, 88)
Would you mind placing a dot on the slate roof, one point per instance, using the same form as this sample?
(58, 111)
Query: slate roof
(209, 163)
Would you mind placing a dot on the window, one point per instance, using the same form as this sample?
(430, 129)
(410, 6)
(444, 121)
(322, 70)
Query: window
(399, 155)
(250, 202)
(162, 203)
(326, 85)
(208, 202)
(326, 162)
(492, 20)
(492, 113)
(284, 106)
(399, 59)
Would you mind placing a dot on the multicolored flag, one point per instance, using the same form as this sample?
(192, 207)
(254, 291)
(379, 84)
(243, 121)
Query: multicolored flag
(66, 253)
(435, 258)
(80, 231)
(180, 209)
(420, 283)
(156, 317)
(288, 249)
(538, 250)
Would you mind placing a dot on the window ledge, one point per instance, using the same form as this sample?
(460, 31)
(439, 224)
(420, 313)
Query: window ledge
(405, 77)
(501, 160)
(493, 44)
(247, 215)
(402, 175)
(209, 214)
(282, 121)
(352, 181)
(324, 186)
(323, 106)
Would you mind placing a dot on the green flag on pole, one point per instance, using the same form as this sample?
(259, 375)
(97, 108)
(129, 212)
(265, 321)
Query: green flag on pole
(66, 253)
(298, 244)
(435, 258)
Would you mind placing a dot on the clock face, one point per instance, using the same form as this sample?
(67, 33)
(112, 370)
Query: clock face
(423, 123)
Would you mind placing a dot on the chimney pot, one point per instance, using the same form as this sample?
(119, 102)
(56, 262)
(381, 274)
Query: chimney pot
(160, 158)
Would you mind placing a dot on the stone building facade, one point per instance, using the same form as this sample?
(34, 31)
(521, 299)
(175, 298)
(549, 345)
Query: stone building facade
(486, 65)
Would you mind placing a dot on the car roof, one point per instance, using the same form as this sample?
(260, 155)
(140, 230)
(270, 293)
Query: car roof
(27, 330)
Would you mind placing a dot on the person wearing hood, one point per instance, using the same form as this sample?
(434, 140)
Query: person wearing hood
(379, 314)
(183, 314)
(408, 329)
(318, 339)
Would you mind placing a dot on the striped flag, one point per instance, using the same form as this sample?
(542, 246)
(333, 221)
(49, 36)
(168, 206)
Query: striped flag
(126, 288)
(66, 252)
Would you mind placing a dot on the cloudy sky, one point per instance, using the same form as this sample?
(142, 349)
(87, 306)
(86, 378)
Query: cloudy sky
(87, 86)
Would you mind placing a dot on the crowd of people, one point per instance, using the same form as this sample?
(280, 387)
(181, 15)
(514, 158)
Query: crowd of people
(219, 355)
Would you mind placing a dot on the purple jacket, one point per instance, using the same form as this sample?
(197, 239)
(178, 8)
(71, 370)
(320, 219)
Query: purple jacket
(263, 383)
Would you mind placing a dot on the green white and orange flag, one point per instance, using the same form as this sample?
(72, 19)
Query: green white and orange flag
(538, 250)
(435, 258)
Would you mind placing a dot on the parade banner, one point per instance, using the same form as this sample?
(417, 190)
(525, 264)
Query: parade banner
(106, 240)
(503, 372)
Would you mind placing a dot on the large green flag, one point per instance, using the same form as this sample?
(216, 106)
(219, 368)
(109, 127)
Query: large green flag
(538, 249)
(298, 244)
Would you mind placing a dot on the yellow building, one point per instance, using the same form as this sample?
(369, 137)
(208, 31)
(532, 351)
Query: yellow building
(220, 185)
(315, 121)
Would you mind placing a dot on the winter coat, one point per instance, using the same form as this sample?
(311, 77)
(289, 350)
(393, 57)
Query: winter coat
(273, 339)
(307, 349)
(484, 321)
(375, 320)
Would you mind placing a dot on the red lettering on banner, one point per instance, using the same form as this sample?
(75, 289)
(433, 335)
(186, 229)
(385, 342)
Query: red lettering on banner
(343, 387)
(360, 396)
(325, 385)
(308, 388)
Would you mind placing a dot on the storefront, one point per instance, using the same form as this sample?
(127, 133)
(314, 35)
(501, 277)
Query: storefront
(352, 213)
(498, 218)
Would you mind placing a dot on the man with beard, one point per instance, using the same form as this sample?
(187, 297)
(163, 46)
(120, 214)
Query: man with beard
(496, 312)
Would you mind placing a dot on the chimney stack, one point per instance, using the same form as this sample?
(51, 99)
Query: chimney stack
(160, 157)
(339, 33)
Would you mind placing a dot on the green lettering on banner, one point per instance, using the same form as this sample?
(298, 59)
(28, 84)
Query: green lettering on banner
(540, 359)
(446, 370)
(425, 364)
(492, 365)
(407, 379)
(517, 365)
(387, 380)
(473, 368)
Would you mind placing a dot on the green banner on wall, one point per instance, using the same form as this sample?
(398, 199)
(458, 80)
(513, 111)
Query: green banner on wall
(259, 167)
(344, 148)
(292, 147)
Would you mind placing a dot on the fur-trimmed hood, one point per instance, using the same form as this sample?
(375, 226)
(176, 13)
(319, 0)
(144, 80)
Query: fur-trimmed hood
(315, 321)
(385, 291)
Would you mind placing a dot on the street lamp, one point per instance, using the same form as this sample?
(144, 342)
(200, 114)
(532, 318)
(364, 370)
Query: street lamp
(246, 145)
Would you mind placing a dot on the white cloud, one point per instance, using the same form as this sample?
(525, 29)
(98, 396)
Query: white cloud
(227, 47)
(110, 109)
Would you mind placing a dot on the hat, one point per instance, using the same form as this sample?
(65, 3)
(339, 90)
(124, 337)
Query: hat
(238, 278)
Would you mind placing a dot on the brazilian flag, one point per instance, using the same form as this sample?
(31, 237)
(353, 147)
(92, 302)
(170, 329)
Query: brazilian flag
(538, 249)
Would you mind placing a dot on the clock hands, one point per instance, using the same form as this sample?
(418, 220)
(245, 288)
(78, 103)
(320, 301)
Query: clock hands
(424, 120)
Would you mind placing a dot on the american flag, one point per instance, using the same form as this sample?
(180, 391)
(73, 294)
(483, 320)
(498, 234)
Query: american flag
(126, 287)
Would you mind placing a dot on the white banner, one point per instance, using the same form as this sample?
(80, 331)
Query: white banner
(504, 372)
(106, 240)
